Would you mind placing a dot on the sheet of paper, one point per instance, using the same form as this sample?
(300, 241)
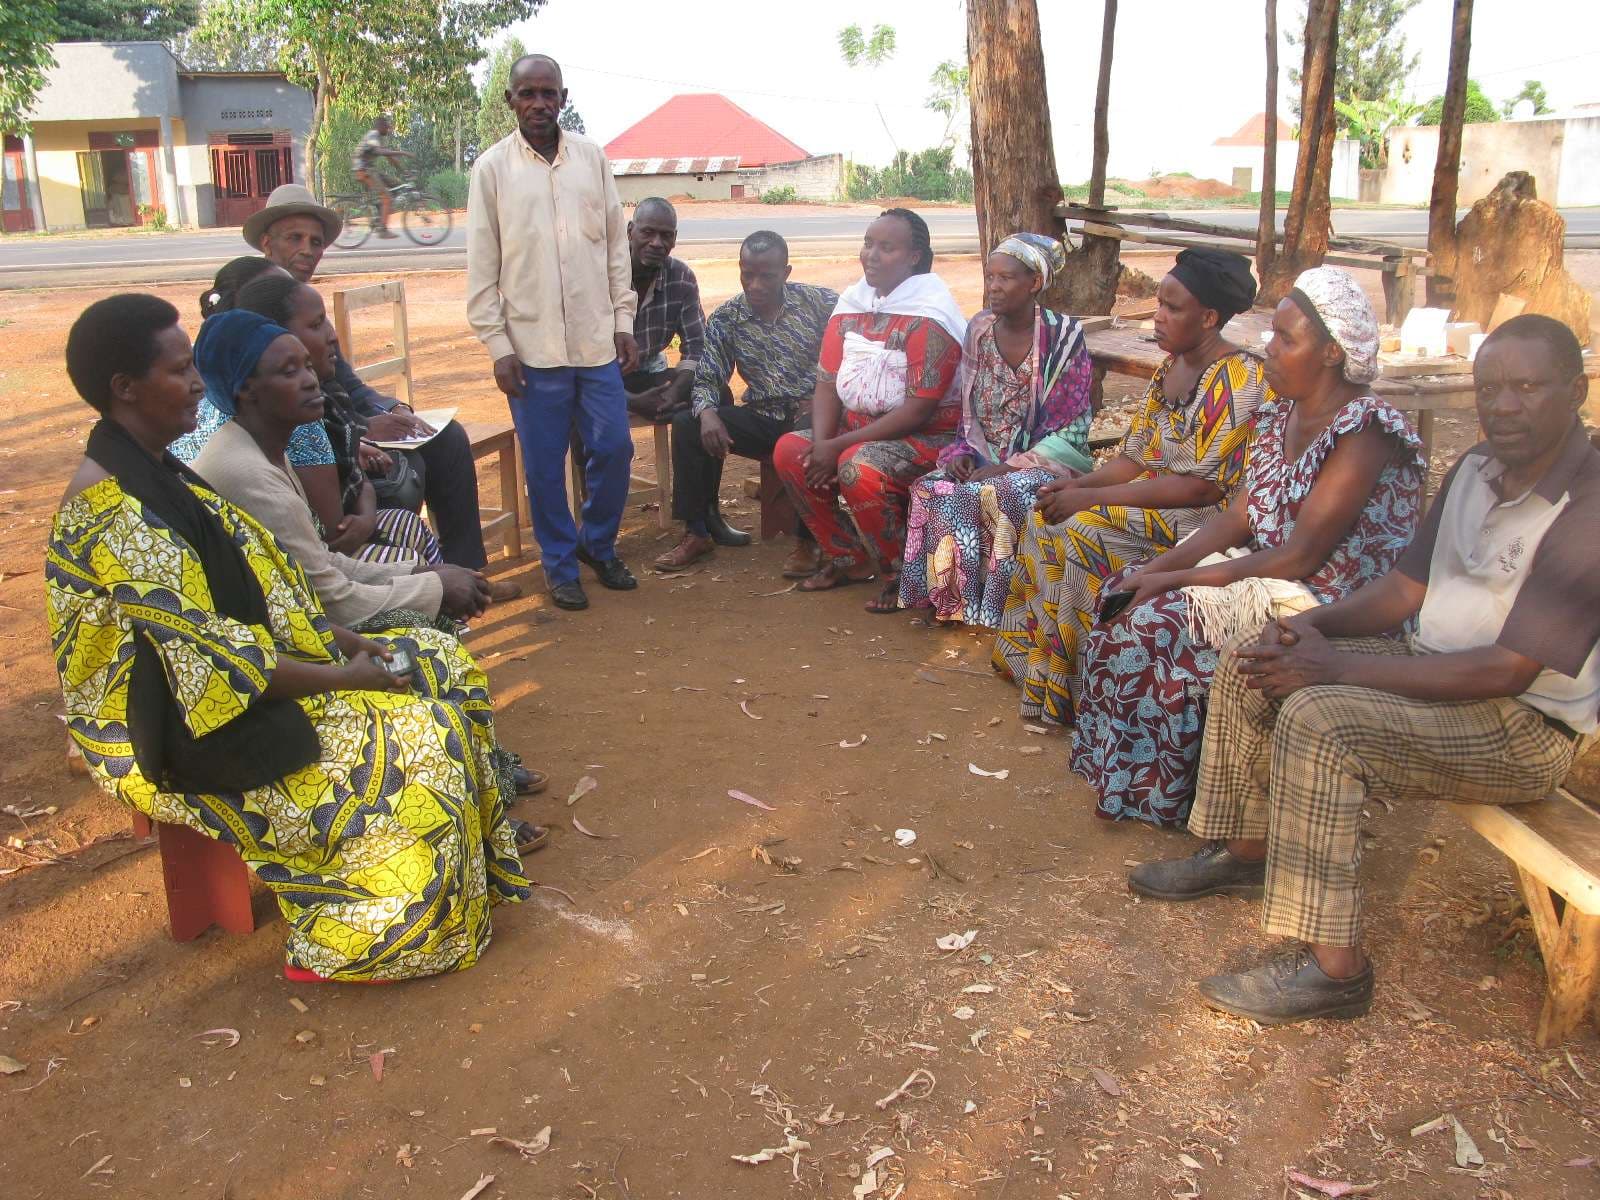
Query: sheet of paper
(436, 417)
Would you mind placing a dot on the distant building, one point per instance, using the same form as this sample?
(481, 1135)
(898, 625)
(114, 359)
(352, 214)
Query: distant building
(123, 133)
(1235, 159)
(1561, 150)
(705, 146)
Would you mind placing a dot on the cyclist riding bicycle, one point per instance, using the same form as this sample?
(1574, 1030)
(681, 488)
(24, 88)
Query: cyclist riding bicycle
(370, 150)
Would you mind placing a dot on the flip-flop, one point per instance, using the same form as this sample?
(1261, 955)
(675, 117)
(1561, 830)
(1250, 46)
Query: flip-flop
(530, 837)
(842, 578)
(888, 600)
(529, 781)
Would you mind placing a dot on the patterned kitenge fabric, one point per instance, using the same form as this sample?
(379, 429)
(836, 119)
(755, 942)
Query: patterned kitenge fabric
(308, 444)
(1146, 681)
(875, 478)
(1061, 569)
(777, 360)
(962, 537)
(386, 854)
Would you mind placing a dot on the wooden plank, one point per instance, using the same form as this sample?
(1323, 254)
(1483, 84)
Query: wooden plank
(1556, 839)
(1161, 220)
(384, 368)
(1572, 974)
(391, 291)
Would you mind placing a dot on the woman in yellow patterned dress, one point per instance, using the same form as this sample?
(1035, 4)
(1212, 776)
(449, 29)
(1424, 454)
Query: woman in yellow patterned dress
(206, 687)
(1184, 452)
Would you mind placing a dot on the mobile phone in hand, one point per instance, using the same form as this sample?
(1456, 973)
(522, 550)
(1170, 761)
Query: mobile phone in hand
(1112, 604)
(399, 663)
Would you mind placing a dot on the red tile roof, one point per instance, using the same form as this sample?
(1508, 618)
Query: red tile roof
(1254, 132)
(703, 125)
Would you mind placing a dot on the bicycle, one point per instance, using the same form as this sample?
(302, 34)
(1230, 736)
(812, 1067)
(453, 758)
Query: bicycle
(422, 215)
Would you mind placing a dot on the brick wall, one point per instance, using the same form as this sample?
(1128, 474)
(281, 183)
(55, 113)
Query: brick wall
(820, 177)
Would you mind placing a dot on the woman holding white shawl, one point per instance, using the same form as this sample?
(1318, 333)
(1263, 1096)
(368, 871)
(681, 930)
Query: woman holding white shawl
(883, 410)
(1331, 497)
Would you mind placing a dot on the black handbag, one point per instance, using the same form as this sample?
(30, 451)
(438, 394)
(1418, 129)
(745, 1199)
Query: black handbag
(405, 483)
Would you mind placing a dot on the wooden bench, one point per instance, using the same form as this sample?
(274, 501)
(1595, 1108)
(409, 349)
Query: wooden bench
(1554, 846)
(499, 439)
(657, 491)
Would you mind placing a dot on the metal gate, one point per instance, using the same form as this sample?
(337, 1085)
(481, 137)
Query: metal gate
(245, 167)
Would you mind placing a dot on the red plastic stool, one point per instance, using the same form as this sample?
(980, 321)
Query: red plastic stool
(207, 882)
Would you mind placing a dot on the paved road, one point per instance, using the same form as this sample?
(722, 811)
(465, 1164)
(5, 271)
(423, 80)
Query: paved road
(55, 262)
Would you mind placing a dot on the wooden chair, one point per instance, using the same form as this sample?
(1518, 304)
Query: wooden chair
(487, 438)
(640, 490)
(1554, 845)
(206, 881)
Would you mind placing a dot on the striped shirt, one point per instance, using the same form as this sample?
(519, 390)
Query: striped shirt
(776, 360)
(670, 308)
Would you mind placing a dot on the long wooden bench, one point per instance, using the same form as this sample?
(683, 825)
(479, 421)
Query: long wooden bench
(1554, 846)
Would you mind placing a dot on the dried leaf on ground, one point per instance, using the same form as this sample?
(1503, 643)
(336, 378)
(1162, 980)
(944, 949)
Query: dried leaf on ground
(965, 1013)
(929, 677)
(1107, 1082)
(375, 1061)
(10, 1066)
(920, 1075)
(476, 1190)
(585, 785)
(978, 989)
(956, 941)
(849, 745)
(530, 1149)
(792, 1145)
(226, 1038)
(1467, 1152)
(744, 707)
(747, 798)
(1332, 1188)
(1002, 773)
(601, 837)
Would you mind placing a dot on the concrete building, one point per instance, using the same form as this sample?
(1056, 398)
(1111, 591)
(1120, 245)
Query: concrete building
(705, 146)
(1236, 159)
(123, 134)
(1560, 150)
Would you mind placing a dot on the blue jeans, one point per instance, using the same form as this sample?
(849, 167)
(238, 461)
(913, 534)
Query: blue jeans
(544, 414)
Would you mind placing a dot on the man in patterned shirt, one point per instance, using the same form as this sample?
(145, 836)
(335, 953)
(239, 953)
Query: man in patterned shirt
(771, 332)
(669, 307)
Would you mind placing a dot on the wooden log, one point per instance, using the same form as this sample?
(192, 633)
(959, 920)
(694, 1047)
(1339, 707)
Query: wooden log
(1159, 220)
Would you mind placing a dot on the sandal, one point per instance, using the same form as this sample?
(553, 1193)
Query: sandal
(888, 598)
(832, 575)
(530, 837)
(529, 781)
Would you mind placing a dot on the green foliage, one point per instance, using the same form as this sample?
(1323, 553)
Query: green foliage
(27, 27)
(154, 218)
(780, 195)
(123, 20)
(1480, 109)
(949, 97)
(858, 49)
(1371, 62)
(216, 44)
(341, 129)
(450, 187)
(571, 119)
(1369, 122)
(495, 118)
(927, 175)
(1532, 90)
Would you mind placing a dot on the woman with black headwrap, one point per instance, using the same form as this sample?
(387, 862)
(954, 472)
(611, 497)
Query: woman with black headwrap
(1184, 453)
(1330, 500)
(206, 687)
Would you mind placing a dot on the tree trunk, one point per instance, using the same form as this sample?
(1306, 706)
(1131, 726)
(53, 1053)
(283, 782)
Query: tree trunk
(1089, 282)
(1266, 230)
(1015, 186)
(458, 140)
(319, 115)
(1305, 226)
(1447, 166)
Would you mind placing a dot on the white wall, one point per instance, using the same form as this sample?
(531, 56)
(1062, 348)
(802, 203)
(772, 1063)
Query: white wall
(1562, 153)
(1218, 162)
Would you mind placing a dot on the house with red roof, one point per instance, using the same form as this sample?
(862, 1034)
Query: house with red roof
(704, 146)
(1235, 158)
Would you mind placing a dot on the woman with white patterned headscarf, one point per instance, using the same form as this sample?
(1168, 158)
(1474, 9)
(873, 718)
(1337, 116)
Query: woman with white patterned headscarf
(1025, 388)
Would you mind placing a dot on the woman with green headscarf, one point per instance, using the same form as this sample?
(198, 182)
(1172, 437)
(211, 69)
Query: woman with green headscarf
(1025, 413)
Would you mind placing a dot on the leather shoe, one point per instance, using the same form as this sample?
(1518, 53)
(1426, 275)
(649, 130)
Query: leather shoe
(501, 590)
(724, 534)
(691, 549)
(1211, 871)
(613, 572)
(569, 596)
(1288, 989)
(804, 561)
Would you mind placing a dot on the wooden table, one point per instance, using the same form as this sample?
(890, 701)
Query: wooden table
(1133, 351)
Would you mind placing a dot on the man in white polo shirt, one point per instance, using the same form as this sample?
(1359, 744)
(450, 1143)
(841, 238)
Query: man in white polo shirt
(1487, 703)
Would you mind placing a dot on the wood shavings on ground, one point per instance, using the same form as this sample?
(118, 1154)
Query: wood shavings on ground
(477, 1189)
(919, 1076)
(528, 1150)
(747, 798)
(975, 769)
(791, 1145)
(1331, 1188)
(226, 1038)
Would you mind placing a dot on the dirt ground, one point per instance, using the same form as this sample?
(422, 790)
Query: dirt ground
(728, 977)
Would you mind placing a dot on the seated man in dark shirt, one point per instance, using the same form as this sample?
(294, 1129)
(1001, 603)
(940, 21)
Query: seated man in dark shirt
(1486, 703)
(669, 308)
(772, 333)
(293, 230)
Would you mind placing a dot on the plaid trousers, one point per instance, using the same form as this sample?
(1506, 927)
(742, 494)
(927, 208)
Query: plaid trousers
(1297, 772)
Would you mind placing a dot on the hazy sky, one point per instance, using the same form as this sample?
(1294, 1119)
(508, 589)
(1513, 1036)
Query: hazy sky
(1185, 72)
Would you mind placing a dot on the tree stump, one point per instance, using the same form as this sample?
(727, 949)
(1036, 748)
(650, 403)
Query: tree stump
(1511, 242)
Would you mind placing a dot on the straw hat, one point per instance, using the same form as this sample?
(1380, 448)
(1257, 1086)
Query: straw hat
(290, 200)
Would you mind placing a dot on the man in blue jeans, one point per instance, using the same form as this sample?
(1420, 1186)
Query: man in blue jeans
(549, 293)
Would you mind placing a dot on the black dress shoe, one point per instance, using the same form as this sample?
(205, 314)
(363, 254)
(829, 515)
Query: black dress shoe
(1291, 988)
(569, 596)
(1210, 871)
(724, 534)
(613, 572)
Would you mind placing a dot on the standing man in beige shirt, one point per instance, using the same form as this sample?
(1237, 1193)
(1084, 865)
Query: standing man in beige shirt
(549, 292)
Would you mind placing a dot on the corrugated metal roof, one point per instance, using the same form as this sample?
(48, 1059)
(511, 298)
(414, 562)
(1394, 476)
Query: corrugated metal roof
(672, 166)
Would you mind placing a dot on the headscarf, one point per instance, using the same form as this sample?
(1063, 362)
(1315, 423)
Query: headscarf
(1339, 308)
(230, 345)
(1218, 279)
(1042, 255)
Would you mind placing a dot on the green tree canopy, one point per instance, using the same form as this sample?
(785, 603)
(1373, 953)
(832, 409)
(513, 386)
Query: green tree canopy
(27, 27)
(1480, 109)
(1532, 90)
(1371, 62)
(124, 20)
(571, 119)
(495, 118)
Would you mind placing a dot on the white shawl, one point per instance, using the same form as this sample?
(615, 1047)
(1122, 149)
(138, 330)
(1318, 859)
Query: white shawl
(872, 378)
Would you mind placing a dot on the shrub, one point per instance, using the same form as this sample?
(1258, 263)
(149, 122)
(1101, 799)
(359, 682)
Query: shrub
(780, 195)
(925, 175)
(341, 130)
(450, 187)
